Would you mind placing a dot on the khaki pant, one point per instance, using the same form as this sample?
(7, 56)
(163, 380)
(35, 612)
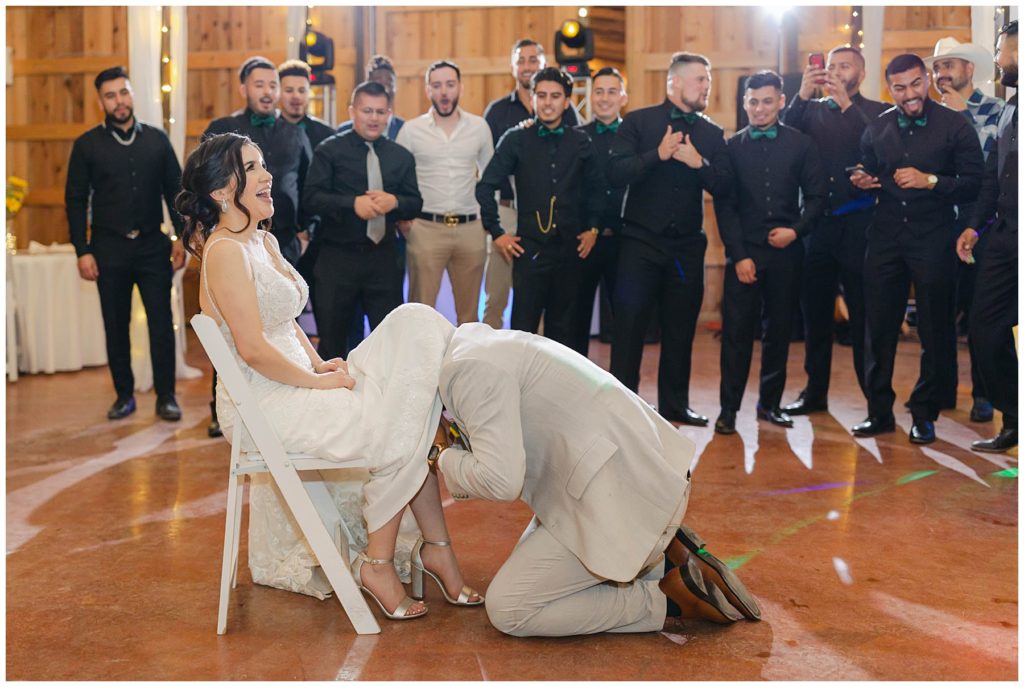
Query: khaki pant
(543, 590)
(498, 277)
(432, 248)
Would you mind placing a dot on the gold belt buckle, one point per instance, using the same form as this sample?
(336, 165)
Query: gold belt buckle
(451, 220)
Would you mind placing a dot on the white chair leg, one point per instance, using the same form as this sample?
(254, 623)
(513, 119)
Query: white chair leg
(324, 549)
(230, 544)
(239, 493)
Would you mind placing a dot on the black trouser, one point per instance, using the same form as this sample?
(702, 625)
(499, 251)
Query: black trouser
(545, 281)
(347, 276)
(357, 330)
(834, 257)
(993, 315)
(773, 299)
(894, 258)
(966, 276)
(598, 268)
(674, 280)
(124, 263)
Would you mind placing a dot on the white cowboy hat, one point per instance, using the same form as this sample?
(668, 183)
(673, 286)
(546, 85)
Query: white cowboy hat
(977, 55)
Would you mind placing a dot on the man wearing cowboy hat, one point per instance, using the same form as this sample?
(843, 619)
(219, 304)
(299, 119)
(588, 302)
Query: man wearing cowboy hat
(954, 67)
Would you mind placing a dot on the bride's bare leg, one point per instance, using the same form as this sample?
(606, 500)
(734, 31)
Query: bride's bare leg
(382, 580)
(440, 560)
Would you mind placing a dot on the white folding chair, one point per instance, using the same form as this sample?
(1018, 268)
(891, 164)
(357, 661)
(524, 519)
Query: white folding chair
(306, 495)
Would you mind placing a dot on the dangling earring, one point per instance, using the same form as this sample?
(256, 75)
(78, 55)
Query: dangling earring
(223, 205)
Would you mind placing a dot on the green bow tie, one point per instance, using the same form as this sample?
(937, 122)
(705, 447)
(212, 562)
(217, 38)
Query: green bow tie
(905, 121)
(262, 120)
(544, 131)
(770, 133)
(688, 117)
(831, 104)
(613, 127)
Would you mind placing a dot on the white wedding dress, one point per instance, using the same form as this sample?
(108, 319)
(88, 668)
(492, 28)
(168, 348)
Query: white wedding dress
(388, 419)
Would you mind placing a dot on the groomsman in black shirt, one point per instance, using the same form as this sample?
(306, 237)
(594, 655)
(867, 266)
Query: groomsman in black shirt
(122, 168)
(924, 159)
(835, 249)
(607, 98)
(561, 197)
(285, 149)
(501, 115)
(668, 155)
(761, 223)
(360, 184)
(994, 310)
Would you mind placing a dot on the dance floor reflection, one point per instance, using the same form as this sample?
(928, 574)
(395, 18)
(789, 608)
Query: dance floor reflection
(873, 559)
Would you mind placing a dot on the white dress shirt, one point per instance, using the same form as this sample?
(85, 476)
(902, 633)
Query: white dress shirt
(447, 169)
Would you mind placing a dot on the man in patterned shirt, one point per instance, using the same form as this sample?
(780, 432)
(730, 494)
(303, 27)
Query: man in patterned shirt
(955, 66)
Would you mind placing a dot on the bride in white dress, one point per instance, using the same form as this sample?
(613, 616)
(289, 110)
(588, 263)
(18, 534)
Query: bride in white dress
(381, 404)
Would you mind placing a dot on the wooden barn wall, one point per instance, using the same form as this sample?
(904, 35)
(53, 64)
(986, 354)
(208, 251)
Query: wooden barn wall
(58, 50)
(56, 53)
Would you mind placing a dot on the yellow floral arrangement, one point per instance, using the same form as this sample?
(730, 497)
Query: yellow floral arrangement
(17, 188)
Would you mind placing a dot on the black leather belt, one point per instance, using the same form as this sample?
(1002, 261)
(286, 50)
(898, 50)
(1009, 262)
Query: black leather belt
(448, 219)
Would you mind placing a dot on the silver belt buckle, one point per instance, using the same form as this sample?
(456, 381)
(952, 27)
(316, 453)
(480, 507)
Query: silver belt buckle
(133, 234)
(451, 220)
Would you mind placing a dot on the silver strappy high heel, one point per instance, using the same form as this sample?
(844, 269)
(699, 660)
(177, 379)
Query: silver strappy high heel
(417, 578)
(400, 613)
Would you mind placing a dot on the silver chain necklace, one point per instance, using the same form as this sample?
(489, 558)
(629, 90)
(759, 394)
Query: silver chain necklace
(131, 139)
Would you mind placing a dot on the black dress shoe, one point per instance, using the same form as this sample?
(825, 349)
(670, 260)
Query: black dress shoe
(981, 411)
(213, 429)
(689, 418)
(1003, 441)
(726, 422)
(873, 426)
(922, 432)
(805, 406)
(123, 407)
(167, 408)
(774, 416)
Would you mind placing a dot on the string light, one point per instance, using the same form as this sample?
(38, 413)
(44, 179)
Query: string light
(163, 29)
(166, 59)
(166, 88)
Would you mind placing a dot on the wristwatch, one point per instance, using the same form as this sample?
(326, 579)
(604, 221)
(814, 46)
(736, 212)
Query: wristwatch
(433, 455)
(932, 180)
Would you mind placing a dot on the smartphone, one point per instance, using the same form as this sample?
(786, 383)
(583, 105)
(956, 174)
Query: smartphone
(817, 60)
(850, 170)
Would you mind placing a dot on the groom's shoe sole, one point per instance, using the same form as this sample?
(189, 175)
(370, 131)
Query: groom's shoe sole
(707, 602)
(731, 585)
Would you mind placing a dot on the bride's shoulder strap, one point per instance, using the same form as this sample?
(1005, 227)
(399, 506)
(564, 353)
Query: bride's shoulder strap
(205, 262)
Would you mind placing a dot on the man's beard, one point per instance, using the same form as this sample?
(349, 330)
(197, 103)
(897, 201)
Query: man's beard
(950, 82)
(528, 82)
(1009, 78)
(437, 108)
(111, 117)
(695, 105)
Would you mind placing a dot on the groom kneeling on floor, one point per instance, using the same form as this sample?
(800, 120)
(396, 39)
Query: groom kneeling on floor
(607, 478)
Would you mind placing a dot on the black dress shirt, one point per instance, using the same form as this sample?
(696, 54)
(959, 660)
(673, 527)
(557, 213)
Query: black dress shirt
(837, 134)
(770, 177)
(287, 152)
(998, 197)
(614, 195)
(338, 175)
(666, 198)
(394, 126)
(947, 146)
(508, 111)
(317, 130)
(126, 182)
(560, 189)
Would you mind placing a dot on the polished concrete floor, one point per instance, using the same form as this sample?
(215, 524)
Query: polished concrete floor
(872, 559)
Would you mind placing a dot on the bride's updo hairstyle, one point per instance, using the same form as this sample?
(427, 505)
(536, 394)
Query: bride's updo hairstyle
(211, 166)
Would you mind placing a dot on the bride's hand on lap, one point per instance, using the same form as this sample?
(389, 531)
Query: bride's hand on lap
(331, 365)
(335, 379)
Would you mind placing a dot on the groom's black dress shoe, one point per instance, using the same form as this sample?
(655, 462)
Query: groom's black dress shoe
(873, 426)
(731, 586)
(1003, 441)
(213, 429)
(689, 417)
(922, 432)
(123, 407)
(167, 408)
(981, 410)
(774, 416)
(805, 406)
(726, 422)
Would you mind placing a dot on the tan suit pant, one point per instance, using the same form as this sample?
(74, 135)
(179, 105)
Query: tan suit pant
(543, 590)
(432, 248)
(498, 277)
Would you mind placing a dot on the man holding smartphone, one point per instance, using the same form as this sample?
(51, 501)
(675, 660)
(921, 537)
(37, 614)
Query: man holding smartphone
(923, 159)
(834, 255)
